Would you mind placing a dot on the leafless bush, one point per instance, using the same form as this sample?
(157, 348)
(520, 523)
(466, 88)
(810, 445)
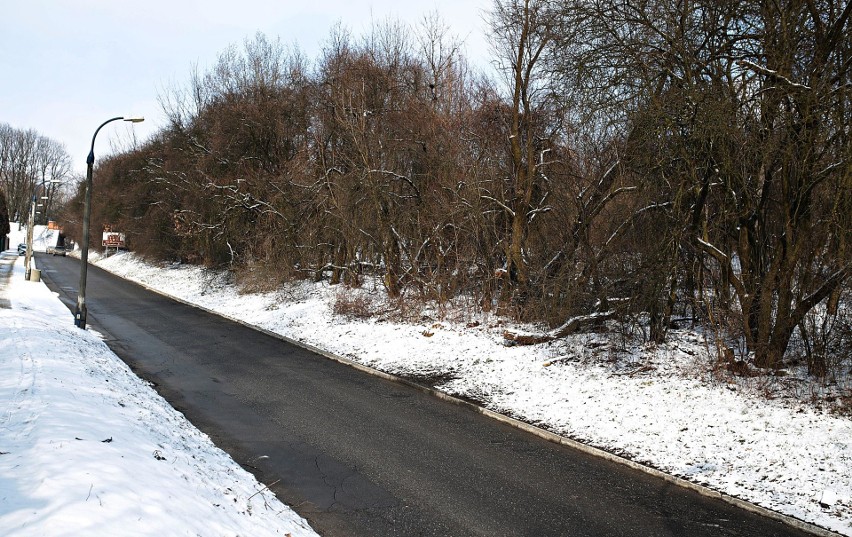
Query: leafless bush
(824, 338)
(617, 169)
(258, 278)
(354, 303)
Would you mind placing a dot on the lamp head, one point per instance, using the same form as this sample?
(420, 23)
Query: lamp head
(136, 119)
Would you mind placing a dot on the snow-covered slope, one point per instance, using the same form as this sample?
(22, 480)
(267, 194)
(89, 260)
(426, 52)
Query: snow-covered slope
(87, 448)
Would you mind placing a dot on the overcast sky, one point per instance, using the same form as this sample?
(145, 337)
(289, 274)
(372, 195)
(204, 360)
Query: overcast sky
(69, 65)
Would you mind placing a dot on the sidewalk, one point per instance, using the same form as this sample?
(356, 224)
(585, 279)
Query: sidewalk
(88, 448)
(7, 261)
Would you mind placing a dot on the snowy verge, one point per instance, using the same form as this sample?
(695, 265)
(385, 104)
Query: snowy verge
(87, 448)
(659, 406)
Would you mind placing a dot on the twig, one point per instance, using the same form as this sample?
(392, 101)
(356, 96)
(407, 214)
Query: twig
(567, 358)
(265, 487)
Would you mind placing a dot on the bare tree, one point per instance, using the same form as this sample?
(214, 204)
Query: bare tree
(521, 31)
(30, 162)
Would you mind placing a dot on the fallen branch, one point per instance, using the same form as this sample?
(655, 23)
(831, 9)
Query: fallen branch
(571, 326)
(574, 324)
(516, 338)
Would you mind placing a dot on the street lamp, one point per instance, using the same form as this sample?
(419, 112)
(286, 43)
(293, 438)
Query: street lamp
(81, 311)
(30, 225)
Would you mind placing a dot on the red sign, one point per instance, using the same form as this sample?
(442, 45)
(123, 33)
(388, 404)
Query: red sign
(113, 240)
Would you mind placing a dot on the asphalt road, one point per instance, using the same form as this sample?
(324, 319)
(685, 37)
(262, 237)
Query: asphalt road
(361, 456)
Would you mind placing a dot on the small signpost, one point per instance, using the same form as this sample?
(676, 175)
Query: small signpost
(113, 239)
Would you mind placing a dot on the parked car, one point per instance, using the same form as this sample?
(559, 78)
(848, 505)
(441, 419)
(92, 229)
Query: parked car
(56, 250)
(22, 249)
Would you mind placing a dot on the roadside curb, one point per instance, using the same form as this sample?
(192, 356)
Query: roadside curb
(532, 429)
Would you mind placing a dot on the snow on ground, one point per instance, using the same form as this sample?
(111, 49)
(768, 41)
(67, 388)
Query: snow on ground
(87, 448)
(658, 405)
(42, 237)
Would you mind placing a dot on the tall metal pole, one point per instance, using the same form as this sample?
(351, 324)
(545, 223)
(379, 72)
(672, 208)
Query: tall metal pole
(30, 223)
(81, 312)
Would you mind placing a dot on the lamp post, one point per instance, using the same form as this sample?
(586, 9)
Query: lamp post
(81, 311)
(30, 225)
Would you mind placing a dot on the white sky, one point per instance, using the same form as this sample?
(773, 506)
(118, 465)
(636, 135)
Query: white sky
(69, 65)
